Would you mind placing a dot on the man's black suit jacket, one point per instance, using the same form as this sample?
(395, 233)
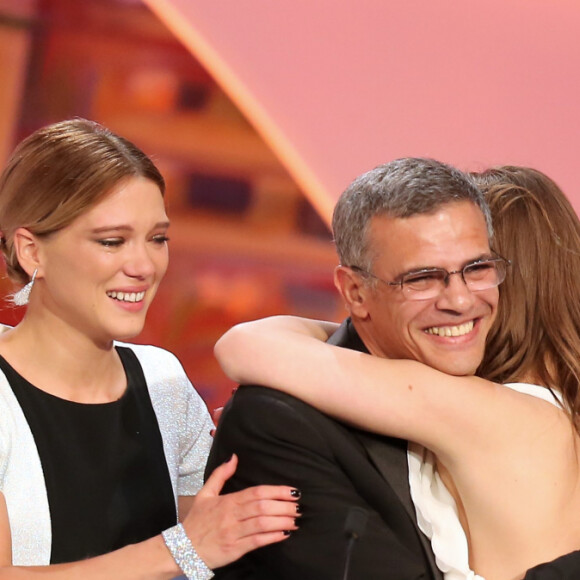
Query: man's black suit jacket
(281, 440)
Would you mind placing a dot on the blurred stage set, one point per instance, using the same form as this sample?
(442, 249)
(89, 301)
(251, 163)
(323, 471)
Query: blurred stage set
(259, 113)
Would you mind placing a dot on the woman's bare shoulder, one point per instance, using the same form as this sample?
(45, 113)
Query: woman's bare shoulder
(526, 497)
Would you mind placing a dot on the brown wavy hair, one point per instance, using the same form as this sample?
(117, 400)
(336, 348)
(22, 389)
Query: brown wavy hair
(536, 335)
(58, 173)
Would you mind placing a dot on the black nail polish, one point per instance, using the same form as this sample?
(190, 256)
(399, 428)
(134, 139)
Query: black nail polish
(296, 493)
(298, 508)
(287, 532)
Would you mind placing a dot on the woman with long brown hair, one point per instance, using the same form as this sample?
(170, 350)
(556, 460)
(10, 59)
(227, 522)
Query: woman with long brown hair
(537, 329)
(502, 462)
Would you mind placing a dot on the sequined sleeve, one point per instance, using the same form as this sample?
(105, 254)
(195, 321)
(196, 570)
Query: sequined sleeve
(184, 420)
(195, 445)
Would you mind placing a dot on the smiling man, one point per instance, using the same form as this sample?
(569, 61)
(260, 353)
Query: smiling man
(419, 280)
(399, 237)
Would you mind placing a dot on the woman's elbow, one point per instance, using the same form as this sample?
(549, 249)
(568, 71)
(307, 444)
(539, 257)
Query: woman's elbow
(227, 351)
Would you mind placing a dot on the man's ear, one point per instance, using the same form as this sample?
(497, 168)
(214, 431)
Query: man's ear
(27, 250)
(354, 290)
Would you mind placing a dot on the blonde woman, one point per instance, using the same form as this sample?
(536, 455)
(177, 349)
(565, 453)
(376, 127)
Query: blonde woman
(103, 443)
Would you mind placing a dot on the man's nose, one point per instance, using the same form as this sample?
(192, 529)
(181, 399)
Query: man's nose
(456, 295)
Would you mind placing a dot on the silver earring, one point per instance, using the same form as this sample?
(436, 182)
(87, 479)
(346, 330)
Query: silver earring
(21, 297)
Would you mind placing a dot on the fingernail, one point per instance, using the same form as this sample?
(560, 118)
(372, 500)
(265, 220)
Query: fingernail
(287, 532)
(296, 493)
(229, 458)
(298, 508)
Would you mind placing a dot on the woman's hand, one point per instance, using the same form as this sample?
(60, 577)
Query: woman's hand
(222, 528)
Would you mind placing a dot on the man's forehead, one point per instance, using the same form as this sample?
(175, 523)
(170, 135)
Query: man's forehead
(455, 233)
(456, 210)
(463, 204)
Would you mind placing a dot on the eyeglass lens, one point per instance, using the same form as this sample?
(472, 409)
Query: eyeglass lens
(477, 276)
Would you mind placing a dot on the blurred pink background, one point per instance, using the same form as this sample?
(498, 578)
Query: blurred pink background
(343, 86)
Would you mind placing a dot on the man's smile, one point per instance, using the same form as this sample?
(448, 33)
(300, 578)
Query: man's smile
(458, 330)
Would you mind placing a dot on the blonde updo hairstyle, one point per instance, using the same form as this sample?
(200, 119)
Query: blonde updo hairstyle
(58, 173)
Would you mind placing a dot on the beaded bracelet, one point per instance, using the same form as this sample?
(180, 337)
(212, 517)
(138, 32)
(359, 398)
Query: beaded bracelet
(185, 555)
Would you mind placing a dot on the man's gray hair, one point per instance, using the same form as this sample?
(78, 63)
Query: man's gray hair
(399, 189)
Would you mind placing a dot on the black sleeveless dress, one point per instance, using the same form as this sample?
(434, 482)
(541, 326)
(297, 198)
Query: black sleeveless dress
(104, 466)
(564, 568)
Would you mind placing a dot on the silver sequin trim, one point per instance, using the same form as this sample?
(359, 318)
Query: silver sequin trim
(185, 555)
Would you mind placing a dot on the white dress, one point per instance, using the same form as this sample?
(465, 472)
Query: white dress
(435, 507)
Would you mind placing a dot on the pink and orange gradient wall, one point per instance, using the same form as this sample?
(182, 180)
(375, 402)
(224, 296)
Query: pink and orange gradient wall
(337, 87)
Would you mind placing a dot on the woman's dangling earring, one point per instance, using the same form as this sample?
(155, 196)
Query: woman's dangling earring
(21, 297)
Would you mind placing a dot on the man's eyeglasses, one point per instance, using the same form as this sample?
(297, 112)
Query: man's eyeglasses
(430, 282)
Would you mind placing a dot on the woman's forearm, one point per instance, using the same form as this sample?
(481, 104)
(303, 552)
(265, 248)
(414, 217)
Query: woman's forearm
(402, 398)
(220, 528)
(148, 560)
(289, 354)
(243, 351)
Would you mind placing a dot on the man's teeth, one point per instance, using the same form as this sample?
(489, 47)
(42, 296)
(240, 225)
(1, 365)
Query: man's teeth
(451, 330)
(127, 296)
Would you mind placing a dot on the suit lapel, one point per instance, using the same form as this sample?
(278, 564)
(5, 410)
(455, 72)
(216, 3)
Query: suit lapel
(389, 455)
(390, 459)
(391, 462)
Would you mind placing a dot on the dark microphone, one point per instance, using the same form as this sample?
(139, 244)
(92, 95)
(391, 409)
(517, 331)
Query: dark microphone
(354, 528)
